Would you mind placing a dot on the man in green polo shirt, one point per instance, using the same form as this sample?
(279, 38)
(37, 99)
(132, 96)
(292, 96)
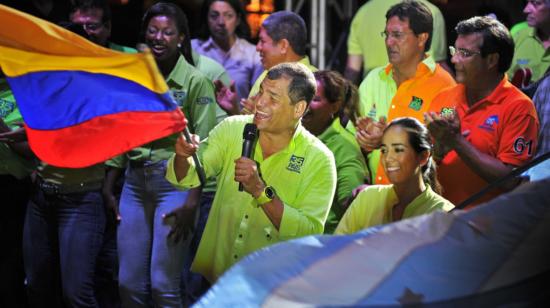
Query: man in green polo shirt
(282, 38)
(289, 183)
(532, 52)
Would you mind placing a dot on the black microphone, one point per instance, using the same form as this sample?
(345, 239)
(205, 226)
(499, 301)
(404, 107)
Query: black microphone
(249, 136)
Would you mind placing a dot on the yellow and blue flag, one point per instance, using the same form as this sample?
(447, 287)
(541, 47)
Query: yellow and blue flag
(82, 104)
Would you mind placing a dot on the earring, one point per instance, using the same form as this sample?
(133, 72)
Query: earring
(179, 45)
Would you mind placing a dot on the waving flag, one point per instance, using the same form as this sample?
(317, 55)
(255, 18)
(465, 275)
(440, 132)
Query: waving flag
(82, 104)
(492, 255)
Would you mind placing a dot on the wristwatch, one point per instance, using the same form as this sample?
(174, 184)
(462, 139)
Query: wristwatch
(266, 196)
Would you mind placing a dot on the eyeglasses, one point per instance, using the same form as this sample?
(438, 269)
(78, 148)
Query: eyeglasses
(463, 53)
(396, 35)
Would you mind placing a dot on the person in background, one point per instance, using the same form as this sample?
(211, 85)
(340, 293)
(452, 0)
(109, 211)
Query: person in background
(95, 18)
(17, 164)
(282, 38)
(403, 88)
(484, 126)
(531, 55)
(224, 38)
(366, 49)
(323, 119)
(156, 220)
(414, 190)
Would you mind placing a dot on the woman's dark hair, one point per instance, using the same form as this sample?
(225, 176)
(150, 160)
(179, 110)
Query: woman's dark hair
(242, 30)
(172, 11)
(338, 89)
(420, 140)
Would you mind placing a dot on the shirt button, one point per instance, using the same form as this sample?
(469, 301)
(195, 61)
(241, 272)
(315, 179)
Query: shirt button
(235, 256)
(246, 216)
(240, 236)
(380, 178)
(392, 106)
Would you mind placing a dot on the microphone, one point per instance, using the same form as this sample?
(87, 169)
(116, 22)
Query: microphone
(198, 165)
(249, 136)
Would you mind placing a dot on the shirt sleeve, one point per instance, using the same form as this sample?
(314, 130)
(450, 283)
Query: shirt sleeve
(354, 48)
(438, 48)
(211, 155)
(348, 224)
(518, 140)
(202, 107)
(308, 213)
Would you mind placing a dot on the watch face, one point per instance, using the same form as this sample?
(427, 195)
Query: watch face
(270, 192)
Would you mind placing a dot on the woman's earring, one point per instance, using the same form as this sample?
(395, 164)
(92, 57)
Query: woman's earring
(179, 45)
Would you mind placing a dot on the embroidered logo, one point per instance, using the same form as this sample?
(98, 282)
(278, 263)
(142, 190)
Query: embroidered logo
(372, 112)
(179, 96)
(490, 123)
(204, 100)
(6, 107)
(447, 112)
(522, 61)
(416, 103)
(295, 163)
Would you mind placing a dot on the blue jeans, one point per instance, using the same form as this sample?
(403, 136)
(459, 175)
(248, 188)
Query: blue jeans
(63, 234)
(150, 264)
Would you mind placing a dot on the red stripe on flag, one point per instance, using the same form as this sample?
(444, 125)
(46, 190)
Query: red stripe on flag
(102, 138)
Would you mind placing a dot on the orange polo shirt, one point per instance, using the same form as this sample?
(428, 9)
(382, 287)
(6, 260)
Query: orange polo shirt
(380, 97)
(503, 125)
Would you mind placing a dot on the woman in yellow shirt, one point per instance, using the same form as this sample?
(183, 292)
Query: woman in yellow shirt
(406, 158)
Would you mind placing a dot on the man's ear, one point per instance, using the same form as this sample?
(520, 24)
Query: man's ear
(299, 109)
(423, 38)
(492, 60)
(284, 46)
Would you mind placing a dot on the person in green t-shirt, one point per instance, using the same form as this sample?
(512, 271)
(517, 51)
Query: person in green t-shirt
(414, 190)
(334, 97)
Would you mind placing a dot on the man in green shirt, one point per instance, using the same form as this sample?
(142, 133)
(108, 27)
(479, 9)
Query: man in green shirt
(532, 44)
(288, 184)
(282, 38)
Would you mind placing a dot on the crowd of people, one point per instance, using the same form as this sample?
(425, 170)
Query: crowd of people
(416, 136)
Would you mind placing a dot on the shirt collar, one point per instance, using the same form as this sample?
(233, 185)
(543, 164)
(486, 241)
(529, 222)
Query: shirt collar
(181, 67)
(428, 64)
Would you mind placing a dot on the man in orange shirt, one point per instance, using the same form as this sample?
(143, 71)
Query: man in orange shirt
(485, 126)
(406, 86)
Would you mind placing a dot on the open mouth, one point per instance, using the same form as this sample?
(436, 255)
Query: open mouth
(392, 169)
(158, 49)
(261, 116)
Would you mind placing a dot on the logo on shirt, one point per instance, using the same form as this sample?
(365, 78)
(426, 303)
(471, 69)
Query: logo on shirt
(6, 107)
(522, 61)
(447, 112)
(295, 163)
(204, 100)
(416, 103)
(179, 96)
(490, 123)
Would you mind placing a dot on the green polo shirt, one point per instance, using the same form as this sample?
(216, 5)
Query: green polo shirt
(350, 167)
(303, 176)
(194, 93)
(529, 53)
(256, 87)
(11, 162)
(121, 48)
(373, 206)
(370, 20)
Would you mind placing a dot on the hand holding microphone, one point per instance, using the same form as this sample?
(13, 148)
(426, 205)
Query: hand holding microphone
(243, 170)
